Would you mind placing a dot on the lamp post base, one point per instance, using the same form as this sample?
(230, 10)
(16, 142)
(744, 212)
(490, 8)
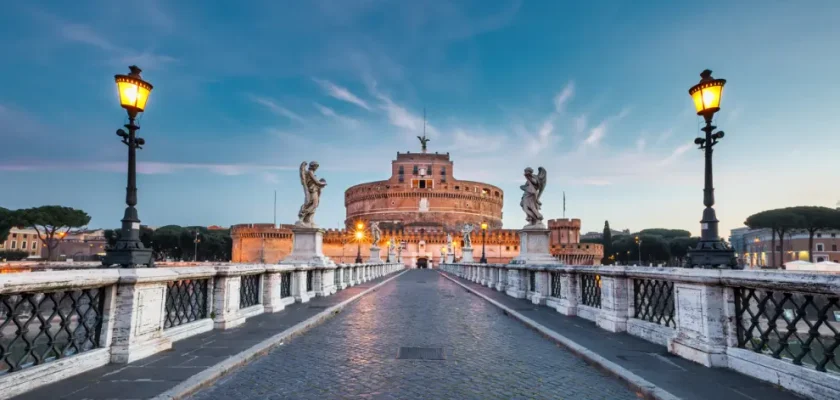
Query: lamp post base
(710, 254)
(129, 255)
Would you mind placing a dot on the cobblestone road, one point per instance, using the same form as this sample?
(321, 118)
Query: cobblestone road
(354, 355)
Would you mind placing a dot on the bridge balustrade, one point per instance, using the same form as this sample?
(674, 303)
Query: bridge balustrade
(779, 326)
(59, 323)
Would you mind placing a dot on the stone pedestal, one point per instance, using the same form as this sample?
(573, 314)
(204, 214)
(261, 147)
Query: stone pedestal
(450, 258)
(375, 257)
(392, 256)
(467, 255)
(442, 259)
(534, 246)
(308, 248)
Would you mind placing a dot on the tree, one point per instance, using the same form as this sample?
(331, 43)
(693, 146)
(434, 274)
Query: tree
(607, 240)
(7, 221)
(679, 247)
(52, 223)
(780, 221)
(666, 233)
(812, 219)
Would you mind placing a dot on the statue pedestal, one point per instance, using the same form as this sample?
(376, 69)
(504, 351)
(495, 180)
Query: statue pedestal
(534, 246)
(392, 256)
(308, 248)
(450, 258)
(442, 259)
(375, 257)
(467, 255)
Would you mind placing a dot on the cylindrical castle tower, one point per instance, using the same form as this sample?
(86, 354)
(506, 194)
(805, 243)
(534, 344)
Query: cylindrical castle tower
(423, 195)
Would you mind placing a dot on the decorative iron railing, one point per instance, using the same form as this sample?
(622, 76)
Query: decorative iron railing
(590, 290)
(310, 276)
(285, 284)
(653, 301)
(532, 281)
(249, 291)
(186, 301)
(555, 284)
(801, 328)
(37, 328)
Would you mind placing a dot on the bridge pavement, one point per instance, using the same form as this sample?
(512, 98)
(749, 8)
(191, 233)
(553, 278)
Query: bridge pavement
(355, 355)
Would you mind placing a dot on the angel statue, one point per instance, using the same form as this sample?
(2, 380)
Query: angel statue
(312, 191)
(375, 233)
(466, 230)
(449, 242)
(532, 190)
(423, 141)
(391, 245)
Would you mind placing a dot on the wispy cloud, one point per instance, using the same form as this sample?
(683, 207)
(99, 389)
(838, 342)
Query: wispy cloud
(675, 154)
(562, 98)
(597, 133)
(476, 142)
(341, 93)
(272, 106)
(149, 168)
(400, 117)
(580, 123)
(329, 112)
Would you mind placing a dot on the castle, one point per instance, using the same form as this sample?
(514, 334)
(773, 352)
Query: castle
(418, 206)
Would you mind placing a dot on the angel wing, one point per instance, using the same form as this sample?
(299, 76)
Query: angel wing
(541, 178)
(303, 182)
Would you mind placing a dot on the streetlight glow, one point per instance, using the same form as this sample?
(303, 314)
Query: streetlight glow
(134, 91)
(360, 226)
(707, 93)
(359, 235)
(484, 226)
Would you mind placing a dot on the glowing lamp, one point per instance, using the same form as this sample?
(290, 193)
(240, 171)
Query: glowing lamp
(707, 93)
(360, 226)
(133, 90)
(359, 235)
(484, 226)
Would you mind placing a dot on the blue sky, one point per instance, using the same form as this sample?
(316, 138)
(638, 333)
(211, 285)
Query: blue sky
(596, 92)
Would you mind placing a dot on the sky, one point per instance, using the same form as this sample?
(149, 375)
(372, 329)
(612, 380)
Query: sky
(595, 92)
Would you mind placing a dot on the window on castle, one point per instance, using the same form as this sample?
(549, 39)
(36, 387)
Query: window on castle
(416, 170)
(443, 170)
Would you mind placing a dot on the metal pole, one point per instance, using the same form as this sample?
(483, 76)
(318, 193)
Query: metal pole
(483, 241)
(640, 252)
(359, 252)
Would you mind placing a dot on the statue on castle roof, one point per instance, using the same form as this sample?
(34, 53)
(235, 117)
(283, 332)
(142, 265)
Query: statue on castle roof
(312, 187)
(532, 190)
(423, 141)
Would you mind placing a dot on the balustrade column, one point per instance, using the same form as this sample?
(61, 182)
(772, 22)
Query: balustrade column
(515, 283)
(542, 289)
(568, 294)
(701, 320)
(299, 289)
(501, 282)
(138, 315)
(615, 290)
(272, 283)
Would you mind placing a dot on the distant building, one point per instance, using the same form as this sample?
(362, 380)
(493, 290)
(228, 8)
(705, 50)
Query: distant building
(216, 228)
(754, 247)
(81, 245)
(25, 239)
(599, 235)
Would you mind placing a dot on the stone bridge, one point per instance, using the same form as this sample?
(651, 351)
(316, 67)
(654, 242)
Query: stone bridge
(465, 331)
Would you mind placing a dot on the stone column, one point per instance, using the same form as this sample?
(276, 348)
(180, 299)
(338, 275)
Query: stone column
(299, 285)
(271, 289)
(492, 278)
(541, 291)
(514, 287)
(375, 257)
(342, 276)
(501, 282)
(701, 322)
(139, 312)
(614, 300)
(568, 294)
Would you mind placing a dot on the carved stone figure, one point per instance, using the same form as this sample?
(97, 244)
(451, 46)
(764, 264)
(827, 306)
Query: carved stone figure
(423, 141)
(375, 233)
(466, 230)
(312, 194)
(391, 245)
(532, 190)
(449, 242)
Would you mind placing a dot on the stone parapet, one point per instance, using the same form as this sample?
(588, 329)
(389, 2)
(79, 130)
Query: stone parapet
(718, 318)
(135, 313)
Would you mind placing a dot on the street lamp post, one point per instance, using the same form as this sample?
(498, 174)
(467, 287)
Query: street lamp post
(129, 251)
(639, 243)
(359, 235)
(196, 241)
(711, 251)
(483, 259)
